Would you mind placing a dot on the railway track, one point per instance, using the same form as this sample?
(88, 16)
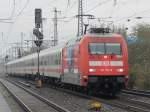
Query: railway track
(137, 92)
(8, 102)
(30, 101)
(18, 100)
(123, 103)
(126, 104)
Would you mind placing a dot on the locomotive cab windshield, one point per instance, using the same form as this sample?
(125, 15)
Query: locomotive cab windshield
(105, 48)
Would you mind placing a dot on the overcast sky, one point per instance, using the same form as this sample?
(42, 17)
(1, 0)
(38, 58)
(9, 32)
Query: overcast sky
(20, 15)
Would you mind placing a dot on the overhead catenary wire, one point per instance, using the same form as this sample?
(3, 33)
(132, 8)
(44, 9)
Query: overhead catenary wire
(9, 18)
(133, 15)
(113, 7)
(44, 6)
(5, 21)
(97, 5)
(26, 4)
(15, 19)
(68, 9)
(13, 10)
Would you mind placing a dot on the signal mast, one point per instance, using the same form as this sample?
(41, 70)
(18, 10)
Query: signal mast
(39, 40)
(80, 18)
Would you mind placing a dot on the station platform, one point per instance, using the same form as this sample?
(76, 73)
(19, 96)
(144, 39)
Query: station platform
(4, 107)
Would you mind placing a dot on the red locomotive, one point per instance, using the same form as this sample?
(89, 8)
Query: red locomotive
(95, 61)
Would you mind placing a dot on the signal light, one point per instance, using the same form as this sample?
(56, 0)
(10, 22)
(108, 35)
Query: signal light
(37, 33)
(38, 18)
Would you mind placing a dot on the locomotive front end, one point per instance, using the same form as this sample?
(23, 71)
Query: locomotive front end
(107, 67)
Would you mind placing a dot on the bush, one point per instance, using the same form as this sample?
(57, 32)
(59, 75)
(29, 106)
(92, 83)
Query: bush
(132, 79)
(139, 60)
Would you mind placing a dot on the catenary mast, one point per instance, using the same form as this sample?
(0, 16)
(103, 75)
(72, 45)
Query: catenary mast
(80, 18)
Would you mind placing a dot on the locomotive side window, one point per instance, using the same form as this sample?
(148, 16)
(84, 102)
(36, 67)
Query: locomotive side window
(96, 48)
(113, 48)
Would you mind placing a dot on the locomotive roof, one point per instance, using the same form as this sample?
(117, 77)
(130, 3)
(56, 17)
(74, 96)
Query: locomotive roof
(98, 35)
(104, 35)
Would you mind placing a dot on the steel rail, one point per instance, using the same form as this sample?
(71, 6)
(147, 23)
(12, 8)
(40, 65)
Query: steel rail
(113, 103)
(25, 84)
(50, 103)
(139, 93)
(18, 100)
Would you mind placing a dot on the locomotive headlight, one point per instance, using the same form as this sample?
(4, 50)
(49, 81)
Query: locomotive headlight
(120, 70)
(92, 70)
